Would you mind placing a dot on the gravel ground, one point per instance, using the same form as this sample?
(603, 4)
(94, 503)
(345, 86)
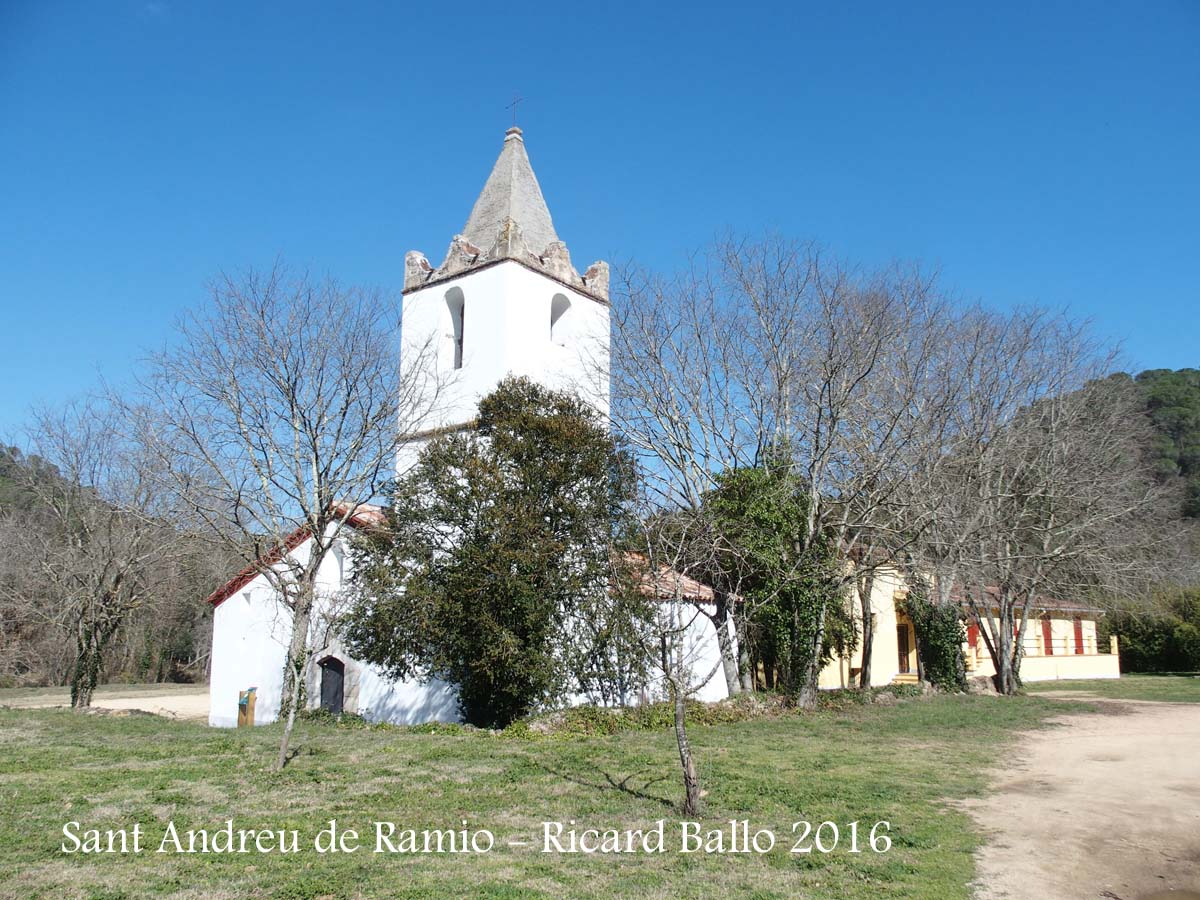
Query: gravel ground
(1105, 805)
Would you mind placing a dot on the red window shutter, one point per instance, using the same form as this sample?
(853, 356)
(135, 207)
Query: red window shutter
(1047, 636)
(972, 636)
(1078, 634)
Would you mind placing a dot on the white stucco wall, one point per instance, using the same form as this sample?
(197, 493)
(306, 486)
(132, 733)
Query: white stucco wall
(247, 651)
(701, 652)
(506, 330)
(251, 631)
(704, 657)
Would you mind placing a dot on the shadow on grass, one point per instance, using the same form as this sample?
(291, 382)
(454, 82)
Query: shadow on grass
(612, 783)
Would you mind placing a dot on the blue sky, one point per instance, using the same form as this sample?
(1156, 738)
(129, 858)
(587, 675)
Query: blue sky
(1043, 152)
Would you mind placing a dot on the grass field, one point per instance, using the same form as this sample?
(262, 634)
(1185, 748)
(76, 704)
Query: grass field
(904, 764)
(1182, 688)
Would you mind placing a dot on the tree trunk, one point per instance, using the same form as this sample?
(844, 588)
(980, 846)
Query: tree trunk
(1004, 676)
(84, 675)
(91, 638)
(692, 802)
(866, 586)
(1014, 670)
(1006, 656)
(720, 620)
(920, 656)
(810, 673)
(670, 653)
(746, 667)
(295, 667)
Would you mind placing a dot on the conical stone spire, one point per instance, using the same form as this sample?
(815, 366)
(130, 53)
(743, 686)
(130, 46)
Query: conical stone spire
(511, 192)
(510, 221)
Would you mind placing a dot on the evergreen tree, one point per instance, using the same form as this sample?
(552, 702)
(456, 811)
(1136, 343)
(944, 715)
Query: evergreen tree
(495, 572)
(1173, 404)
(787, 577)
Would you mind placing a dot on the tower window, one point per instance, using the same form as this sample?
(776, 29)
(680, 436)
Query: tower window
(456, 305)
(558, 308)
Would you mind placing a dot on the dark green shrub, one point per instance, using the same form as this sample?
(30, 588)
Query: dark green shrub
(940, 637)
(341, 720)
(1167, 640)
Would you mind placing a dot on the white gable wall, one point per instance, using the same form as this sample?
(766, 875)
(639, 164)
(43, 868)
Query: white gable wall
(701, 655)
(248, 650)
(251, 632)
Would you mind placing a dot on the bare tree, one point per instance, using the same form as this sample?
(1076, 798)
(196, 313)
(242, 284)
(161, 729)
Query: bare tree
(279, 411)
(673, 635)
(1043, 491)
(684, 405)
(769, 349)
(91, 548)
(32, 645)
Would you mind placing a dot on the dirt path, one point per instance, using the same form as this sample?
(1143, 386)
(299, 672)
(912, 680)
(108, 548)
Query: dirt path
(175, 702)
(1106, 805)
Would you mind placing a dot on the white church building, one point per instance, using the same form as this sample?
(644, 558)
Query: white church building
(505, 301)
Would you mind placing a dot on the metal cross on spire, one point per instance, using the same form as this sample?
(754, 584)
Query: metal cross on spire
(517, 98)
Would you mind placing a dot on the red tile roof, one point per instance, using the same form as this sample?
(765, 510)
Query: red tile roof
(1041, 604)
(358, 516)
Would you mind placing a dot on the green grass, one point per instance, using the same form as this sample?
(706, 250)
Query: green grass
(1182, 688)
(905, 764)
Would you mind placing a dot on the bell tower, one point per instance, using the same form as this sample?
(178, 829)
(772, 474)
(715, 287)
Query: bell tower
(506, 300)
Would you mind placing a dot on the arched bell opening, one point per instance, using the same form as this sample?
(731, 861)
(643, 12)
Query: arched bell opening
(559, 305)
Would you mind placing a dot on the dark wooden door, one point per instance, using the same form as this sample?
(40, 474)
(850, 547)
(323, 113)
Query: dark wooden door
(333, 676)
(1078, 634)
(902, 644)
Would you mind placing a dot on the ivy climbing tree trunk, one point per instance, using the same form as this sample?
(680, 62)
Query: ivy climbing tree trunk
(810, 666)
(92, 638)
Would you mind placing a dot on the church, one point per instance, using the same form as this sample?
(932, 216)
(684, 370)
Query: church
(507, 300)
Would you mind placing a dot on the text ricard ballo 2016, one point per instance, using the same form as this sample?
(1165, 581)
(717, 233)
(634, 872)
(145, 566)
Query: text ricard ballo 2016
(733, 837)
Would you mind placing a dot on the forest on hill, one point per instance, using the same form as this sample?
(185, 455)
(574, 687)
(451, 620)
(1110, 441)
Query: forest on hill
(1172, 401)
(1163, 634)
(46, 522)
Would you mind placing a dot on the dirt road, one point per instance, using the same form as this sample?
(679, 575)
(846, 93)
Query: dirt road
(173, 701)
(1102, 806)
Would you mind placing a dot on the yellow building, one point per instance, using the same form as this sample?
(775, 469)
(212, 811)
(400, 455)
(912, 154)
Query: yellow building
(1060, 642)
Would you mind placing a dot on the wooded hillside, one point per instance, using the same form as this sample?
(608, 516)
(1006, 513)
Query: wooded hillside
(167, 635)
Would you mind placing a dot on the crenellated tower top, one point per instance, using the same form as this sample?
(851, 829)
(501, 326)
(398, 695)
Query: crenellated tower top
(510, 221)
